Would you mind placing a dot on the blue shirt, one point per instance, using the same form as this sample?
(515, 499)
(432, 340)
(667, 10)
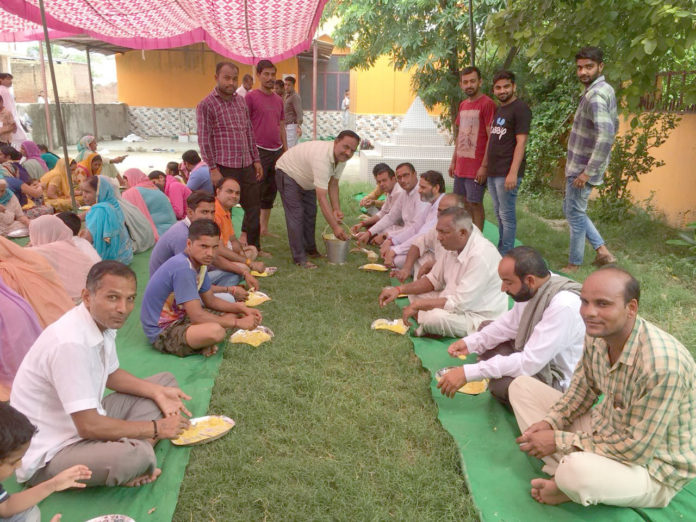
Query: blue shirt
(173, 284)
(171, 243)
(199, 179)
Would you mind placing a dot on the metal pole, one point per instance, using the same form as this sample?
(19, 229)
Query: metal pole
(47, 109)
(91, 95)
(472, 35)
(314, 90)
(59, 115)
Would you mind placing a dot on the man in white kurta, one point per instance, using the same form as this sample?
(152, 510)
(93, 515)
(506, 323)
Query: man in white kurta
(19, 136)
(463, 288)
(386, 183)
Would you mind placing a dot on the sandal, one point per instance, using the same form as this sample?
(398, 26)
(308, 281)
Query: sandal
(307, 264)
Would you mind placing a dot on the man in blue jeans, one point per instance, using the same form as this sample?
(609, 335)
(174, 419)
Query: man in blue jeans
(505, 160)
(589, 148)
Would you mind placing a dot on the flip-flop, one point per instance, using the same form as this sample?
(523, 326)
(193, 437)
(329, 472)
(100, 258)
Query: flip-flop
(307, 264)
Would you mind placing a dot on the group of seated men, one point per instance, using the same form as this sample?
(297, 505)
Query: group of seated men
(549, 358)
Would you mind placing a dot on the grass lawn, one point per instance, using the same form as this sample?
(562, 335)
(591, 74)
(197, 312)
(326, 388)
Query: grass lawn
(335, 421)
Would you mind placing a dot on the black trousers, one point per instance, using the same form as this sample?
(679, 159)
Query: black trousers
(268, 183)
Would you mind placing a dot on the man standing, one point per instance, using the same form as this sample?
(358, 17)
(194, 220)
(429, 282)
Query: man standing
(472, 128)
(19, 136)
(542, 336)
(60, 386)
(227, 143)
(7, 124)
(463, 288)
(636, 447)
(505, 160)
(268, 121)
(589, 149)
(345, 107)
(293, 112)
(306, 174)
(247, 84)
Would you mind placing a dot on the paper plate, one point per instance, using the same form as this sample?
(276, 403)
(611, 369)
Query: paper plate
(204, 429)
(470, 388)
(255, 298)
(270, 270)
(112, 518)
(400, 296)
(254, 337)
(22, 232)
(397, 325)
(375, 267)
(84, 207)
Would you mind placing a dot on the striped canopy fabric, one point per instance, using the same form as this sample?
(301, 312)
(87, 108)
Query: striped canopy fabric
(245, 30)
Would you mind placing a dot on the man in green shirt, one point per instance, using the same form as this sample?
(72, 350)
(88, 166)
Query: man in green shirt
(635, 448)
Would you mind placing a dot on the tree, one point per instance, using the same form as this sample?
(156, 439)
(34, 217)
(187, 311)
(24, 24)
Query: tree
(431, 36)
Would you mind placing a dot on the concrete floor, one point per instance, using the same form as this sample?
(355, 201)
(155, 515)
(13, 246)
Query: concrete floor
(155, 153)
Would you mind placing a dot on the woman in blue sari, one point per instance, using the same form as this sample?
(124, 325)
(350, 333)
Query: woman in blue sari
(105, 220)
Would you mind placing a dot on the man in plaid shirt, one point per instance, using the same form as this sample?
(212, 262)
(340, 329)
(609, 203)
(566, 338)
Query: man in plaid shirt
(227, 144)
(635, 448)
(589, 148)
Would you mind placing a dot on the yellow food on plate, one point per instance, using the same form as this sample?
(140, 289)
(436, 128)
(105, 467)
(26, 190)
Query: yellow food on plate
(254, 337)
(204, 429)
(256, 298)
(402, 295)
(269, 271)
(372, 255)
(374, 266)
(85, 207)
(470, 388)
(396, 326)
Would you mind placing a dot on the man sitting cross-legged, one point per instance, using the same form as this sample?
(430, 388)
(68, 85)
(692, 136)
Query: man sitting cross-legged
(200, 205)
(421, 254)
(60, 387)
(636, 446)
(403, 212)
(462, 289)
(386, 184)
(541, 336)
(174, 314)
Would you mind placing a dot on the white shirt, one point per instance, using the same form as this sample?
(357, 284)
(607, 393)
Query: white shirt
(405, 209)
(311, 164)
(390, 201)
(469, 280)
(558, 337)
(65, 371)
(427, 243)
(241, 91)
(86, 248)
(9, 101)
(425, 221)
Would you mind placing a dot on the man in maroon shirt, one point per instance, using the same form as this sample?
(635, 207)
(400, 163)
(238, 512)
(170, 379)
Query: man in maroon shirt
(227, 143)
(266, 110)
(472, 127)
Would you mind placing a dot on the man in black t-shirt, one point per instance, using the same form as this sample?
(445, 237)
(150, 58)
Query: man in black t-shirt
(505, 155)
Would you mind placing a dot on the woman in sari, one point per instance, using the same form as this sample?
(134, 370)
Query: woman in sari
(90, 165)
(12, 219)
(88, 145)
(51, 238)
(105, 221)
(32, 277)
(150, 200)
(19, 328)
(34, 163)
(57, 189)
(50, 158)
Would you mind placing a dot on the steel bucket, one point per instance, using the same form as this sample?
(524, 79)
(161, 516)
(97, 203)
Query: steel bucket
(336, 250)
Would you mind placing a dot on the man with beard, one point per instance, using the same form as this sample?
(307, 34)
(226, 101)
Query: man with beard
(431, 188)
(472, 129)
(504, 161)
(463, 288)
(541, 336)
(589, 149)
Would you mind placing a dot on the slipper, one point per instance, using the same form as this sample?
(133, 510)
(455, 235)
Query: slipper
(307, 264)
(605, 259)
(315, 254)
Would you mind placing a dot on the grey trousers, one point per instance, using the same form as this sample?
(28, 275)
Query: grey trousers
(300, 207)
(115, 462)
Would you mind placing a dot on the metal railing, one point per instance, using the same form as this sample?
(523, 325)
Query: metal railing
(669, 92)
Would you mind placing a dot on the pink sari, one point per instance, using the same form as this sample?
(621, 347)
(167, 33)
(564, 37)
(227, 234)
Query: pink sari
(137, 178)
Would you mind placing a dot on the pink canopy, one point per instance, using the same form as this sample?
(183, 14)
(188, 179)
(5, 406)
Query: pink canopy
(245, 30)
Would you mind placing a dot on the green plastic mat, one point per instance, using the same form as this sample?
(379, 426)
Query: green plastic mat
(154, 502)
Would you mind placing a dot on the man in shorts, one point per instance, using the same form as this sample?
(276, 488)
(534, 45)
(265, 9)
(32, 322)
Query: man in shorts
(472, 127)
(180, 314)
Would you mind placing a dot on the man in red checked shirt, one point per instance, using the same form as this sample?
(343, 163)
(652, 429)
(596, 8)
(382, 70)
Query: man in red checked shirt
(227, 144)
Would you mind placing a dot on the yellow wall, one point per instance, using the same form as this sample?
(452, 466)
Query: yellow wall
(674, 184)
(380, 89)
(179, 77)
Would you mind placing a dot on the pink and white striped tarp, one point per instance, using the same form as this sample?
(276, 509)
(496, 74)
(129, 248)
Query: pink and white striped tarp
(245, 30)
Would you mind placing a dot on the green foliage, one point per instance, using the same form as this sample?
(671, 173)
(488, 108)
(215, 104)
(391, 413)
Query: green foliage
(688, 240)
(640, 38)
(631, 159)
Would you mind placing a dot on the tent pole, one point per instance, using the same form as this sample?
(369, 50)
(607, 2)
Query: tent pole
(59, 115)
(47, 110)
(314, 90)
(91, 95)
